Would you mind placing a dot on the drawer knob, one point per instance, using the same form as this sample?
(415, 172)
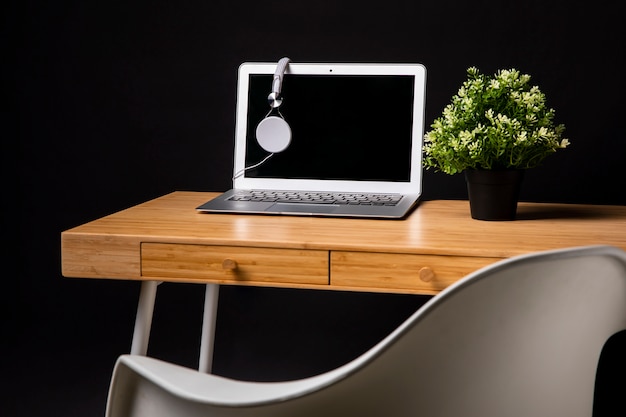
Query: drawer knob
(229, 264)
(426, 274)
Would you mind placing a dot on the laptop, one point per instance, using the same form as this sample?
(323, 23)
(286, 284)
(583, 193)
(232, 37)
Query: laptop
(355, 146)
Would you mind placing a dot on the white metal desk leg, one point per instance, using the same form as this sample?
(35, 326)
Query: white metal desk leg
(143, 320)
(208, 327)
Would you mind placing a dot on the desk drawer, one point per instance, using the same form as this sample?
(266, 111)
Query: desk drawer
(234, 264)
(428, 273)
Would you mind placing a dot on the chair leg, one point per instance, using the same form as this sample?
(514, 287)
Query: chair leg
(143, 320)
(208, 327)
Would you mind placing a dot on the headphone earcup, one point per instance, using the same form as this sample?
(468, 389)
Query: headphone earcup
(273, 134)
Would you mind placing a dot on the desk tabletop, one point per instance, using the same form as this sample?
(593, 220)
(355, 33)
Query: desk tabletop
(441, 227)
(166, 239)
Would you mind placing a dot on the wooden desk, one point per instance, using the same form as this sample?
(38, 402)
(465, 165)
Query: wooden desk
(165, 239)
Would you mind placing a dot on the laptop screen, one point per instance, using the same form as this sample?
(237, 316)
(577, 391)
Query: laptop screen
(354, 127)
(344, 127)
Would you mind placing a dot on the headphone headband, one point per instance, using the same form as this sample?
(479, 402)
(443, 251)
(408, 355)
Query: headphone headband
(274, 99)
(278, 75)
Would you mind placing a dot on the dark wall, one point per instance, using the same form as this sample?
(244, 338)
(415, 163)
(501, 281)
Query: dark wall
(112, 103)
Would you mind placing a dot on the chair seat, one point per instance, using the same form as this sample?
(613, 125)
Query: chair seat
(207, 388)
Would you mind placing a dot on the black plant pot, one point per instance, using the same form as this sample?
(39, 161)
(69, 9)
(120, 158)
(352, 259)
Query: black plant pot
(493, 194)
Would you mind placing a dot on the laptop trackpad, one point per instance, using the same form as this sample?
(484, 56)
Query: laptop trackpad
(301, 208)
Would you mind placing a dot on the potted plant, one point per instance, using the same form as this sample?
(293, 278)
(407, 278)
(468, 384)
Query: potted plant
(494, 128)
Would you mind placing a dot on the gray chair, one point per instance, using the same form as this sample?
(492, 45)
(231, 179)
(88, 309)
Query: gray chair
(521, 337)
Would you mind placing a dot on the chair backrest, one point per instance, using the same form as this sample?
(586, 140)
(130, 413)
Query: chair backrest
(521, 337)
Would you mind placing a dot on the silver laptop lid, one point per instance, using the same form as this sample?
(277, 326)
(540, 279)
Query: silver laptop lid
(355, 128)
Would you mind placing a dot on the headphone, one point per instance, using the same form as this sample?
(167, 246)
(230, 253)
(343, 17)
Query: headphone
(273, 132)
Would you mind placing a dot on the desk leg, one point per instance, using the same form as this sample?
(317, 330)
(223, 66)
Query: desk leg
(143, 320)
(208, 327)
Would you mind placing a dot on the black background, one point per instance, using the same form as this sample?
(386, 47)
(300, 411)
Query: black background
(110, 103)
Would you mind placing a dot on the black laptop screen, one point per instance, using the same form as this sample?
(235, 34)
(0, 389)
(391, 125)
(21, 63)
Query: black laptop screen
(344, 127)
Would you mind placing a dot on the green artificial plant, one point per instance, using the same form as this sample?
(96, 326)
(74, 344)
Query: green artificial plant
(493, 122)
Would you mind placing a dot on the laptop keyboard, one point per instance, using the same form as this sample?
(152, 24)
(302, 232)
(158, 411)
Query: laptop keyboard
(312, 197)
